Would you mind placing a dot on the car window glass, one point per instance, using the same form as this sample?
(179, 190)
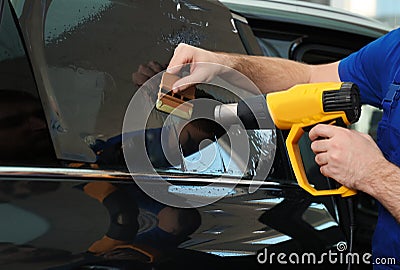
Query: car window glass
(98, 53)
(275, 48)
(24, 136)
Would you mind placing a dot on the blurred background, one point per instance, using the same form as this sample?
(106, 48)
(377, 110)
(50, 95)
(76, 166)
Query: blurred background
(387, 11)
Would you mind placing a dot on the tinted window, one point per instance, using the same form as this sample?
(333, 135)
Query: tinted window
(24, 137)
(96, 54)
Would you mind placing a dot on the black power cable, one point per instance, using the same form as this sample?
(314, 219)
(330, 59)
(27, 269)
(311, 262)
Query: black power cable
(352, 225)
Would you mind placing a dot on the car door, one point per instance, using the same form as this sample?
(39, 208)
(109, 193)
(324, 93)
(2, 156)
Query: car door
(76, 205)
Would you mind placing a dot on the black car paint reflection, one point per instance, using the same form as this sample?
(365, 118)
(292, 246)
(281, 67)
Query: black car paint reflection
(92, 222)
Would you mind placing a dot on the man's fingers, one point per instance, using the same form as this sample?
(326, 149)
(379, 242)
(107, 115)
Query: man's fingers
(324, 171)
(321, 159)
(175, 68)
(180, 57)
(184, 83)
(322, 131)
(200, 69)
(319, 146)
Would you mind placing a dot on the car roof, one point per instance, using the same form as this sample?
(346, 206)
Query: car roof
(308, 14)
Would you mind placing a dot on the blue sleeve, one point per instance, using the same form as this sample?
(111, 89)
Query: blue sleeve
(372, 67)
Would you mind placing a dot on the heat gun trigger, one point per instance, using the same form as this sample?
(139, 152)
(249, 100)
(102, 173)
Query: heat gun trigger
(338, 122)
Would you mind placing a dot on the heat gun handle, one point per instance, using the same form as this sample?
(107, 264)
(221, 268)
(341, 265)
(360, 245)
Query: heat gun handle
(292, 145)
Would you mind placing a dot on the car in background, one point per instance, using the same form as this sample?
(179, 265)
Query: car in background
(69, 70)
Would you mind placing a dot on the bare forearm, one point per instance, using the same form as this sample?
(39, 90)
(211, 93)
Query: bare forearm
(384, 185)
(274, 74)
(268, 73)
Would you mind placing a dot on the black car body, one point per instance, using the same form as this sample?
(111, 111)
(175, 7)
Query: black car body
(68, 200)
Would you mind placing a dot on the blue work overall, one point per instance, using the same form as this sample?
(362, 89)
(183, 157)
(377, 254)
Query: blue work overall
(386, 241)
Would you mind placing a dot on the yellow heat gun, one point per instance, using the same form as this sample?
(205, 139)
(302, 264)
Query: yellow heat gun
(298, 109)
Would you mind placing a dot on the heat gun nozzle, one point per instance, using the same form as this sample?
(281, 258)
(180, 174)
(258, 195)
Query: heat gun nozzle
(252, 113)
(226, 114)
(347, 99)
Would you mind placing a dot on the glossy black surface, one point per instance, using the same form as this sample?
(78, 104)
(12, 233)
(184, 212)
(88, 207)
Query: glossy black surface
(66, 221)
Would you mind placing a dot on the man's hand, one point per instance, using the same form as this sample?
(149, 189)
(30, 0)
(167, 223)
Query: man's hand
(348, 156)
(354, 160)
(204, 65)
